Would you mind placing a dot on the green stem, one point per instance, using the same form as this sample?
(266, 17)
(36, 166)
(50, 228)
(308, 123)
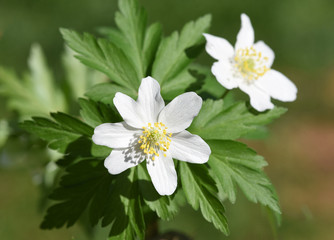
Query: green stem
(225, 93)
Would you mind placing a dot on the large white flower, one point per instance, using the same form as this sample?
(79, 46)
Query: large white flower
(154, 132)
(248, 66)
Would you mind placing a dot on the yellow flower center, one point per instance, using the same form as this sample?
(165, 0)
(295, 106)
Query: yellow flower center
(154, 139)
(250, 63)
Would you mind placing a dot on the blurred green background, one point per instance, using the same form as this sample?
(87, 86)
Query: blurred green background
(300, 146)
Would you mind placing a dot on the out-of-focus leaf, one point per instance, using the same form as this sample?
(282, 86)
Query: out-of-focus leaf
(36, 93)
(4, 132)
(78, 77)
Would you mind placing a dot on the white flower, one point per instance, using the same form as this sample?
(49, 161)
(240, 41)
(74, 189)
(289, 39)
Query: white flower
(154, 132)
(248, 66)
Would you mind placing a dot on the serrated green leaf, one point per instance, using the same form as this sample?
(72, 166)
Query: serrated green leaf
(233, 163)
(162, 205)
(200, 191)
(104, 56)
(81, 183)
(72, 124)
(97, 113)
(125, 212)
(217, 122)
(57, 137)
(131, 20)
(171, 57)
(105, 92)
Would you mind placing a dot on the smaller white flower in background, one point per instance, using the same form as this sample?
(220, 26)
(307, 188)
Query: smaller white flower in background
(248, 66)
(154, 132)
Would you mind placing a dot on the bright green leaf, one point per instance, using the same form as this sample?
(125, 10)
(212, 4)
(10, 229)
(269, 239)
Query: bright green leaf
(201, 192)
(217, 122)
(233, 163)
(104, 56)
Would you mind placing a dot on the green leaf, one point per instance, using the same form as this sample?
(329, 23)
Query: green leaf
(72, 124)
(97, 113)
(171, 56)
(104, 56)
(58, 137)
(83, 182)
(36, 93)
(125, 212)
(4, 132)
(232, 164)
(217, 122)
(105, 92)
(131, 20)
(162, 205)
(172, 59)
(201, 192)
(78, 77)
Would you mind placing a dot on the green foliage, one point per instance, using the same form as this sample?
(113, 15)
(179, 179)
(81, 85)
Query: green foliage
(174, 55)
(4, 132)
(232, 163)
(217, 122)
(126, 201)
(36, 93)
(59, 134)
(200, 192)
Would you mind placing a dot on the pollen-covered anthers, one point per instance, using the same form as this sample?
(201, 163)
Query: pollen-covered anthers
(250, 63)
(154, 139)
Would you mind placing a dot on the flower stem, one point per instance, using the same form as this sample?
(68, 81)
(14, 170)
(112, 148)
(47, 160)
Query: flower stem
(225, 93)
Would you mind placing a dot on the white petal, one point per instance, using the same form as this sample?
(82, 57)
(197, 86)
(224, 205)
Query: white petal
(180, 112)
(189, 148)
(259, 99)
(245, 37)
(129, 110)
(121, 159)
(163, 174)
(278, 86)
(114, 135)
(150, 100)
(218, 48)
(266, 51)
(223, 71)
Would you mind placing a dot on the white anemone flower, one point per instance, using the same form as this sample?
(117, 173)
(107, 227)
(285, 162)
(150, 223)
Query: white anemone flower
(154, 132)
(248, 66)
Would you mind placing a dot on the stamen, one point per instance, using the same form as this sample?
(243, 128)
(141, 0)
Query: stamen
(155, 138)
(250, 64)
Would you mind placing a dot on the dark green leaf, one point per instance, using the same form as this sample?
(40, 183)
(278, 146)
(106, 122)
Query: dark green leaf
(82, 182)
(201, 192)
(58, 137)
(72, 124)
(234, 163)
(217, 122)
